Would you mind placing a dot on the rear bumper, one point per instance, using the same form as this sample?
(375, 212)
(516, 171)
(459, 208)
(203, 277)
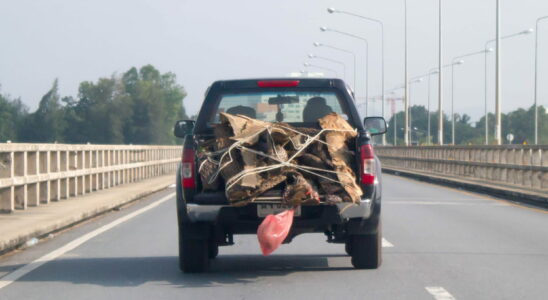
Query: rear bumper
(216, 213)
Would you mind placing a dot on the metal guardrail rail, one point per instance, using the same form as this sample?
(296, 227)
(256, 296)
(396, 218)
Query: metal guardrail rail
(36, 174)
(520, 166)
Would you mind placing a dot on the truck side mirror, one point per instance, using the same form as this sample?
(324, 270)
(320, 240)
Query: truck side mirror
(183, 128)
(375, 125)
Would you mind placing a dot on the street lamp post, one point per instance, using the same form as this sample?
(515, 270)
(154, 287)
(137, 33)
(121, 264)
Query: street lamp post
(407, 118)
(498, 96)
(393, 92)
(536, 76)
(317, 44)
(432, 72)
(406, 79)
(311, 56)
(410, 118)
(324, 29)
(440, 76)
(321, 68)
(395, 131)
(453, 63)
(381, 24)
(486, 47)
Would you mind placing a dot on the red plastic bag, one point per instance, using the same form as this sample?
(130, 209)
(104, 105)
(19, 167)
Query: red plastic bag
(273, 231)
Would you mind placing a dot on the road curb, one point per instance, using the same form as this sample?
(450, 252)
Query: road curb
(508, 194)
(44, 230)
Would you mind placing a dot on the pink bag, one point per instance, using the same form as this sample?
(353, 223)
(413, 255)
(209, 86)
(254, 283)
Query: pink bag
(273, 231)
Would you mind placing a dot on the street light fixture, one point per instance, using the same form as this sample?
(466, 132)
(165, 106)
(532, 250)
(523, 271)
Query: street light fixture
(325, 29)
(321, 67)
(486, 47)
(332, 10)
(318, 44)
(416, 80)
(311, 55)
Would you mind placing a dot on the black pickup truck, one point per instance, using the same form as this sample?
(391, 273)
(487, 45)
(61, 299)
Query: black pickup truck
(207, 221)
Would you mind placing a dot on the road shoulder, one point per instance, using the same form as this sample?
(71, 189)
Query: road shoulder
(37, 222)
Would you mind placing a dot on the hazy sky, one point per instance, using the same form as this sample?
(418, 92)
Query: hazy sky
(202, 41)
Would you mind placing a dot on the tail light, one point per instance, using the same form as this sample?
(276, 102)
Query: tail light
(188, 169)
(368, 165)
(277, 83)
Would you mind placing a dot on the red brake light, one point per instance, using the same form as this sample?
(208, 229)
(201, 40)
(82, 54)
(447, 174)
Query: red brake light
(188, 169)
(277, 83)
(368, 165)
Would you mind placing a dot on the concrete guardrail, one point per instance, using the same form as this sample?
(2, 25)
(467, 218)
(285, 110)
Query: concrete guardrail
(522, 167)
(35, 174)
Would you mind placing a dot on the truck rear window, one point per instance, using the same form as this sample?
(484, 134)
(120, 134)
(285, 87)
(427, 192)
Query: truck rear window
(281, 106)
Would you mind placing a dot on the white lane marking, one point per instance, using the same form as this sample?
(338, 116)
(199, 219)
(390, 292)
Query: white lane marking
(13, 276)
(445, 203)
(172, 186)
(439, 293)
(386, 244)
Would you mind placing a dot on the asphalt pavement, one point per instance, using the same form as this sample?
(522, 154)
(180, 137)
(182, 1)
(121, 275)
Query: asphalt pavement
(439, 243)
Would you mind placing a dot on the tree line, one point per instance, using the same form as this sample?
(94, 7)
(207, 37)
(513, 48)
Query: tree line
(520, 123)
(141, 105)
(138, 107)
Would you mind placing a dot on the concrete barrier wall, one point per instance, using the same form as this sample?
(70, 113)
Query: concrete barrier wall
(36, 174)
(521, 166)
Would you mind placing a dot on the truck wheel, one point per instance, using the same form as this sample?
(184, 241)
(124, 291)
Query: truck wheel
(193, 252)
(366, 250)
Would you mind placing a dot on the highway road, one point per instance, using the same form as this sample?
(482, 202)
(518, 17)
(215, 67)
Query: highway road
(440, 243)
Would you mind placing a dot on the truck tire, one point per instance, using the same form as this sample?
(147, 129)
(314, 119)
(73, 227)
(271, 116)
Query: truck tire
(366, 250)
(193, 251)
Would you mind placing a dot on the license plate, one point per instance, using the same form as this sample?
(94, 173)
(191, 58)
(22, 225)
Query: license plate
(265, 209)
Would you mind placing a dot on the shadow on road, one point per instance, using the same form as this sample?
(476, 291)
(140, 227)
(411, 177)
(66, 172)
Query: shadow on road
(135, 271)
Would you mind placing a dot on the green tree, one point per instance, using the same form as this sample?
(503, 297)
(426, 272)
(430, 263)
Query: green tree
(46, 124)
(156, 101)
(12, 116)
(418, 127)
(139, 107)
(521, 124)
(100, 113)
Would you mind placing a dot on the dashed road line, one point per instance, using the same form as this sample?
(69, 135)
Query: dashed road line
(386, 244)
(15, 275)
(439, 293)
